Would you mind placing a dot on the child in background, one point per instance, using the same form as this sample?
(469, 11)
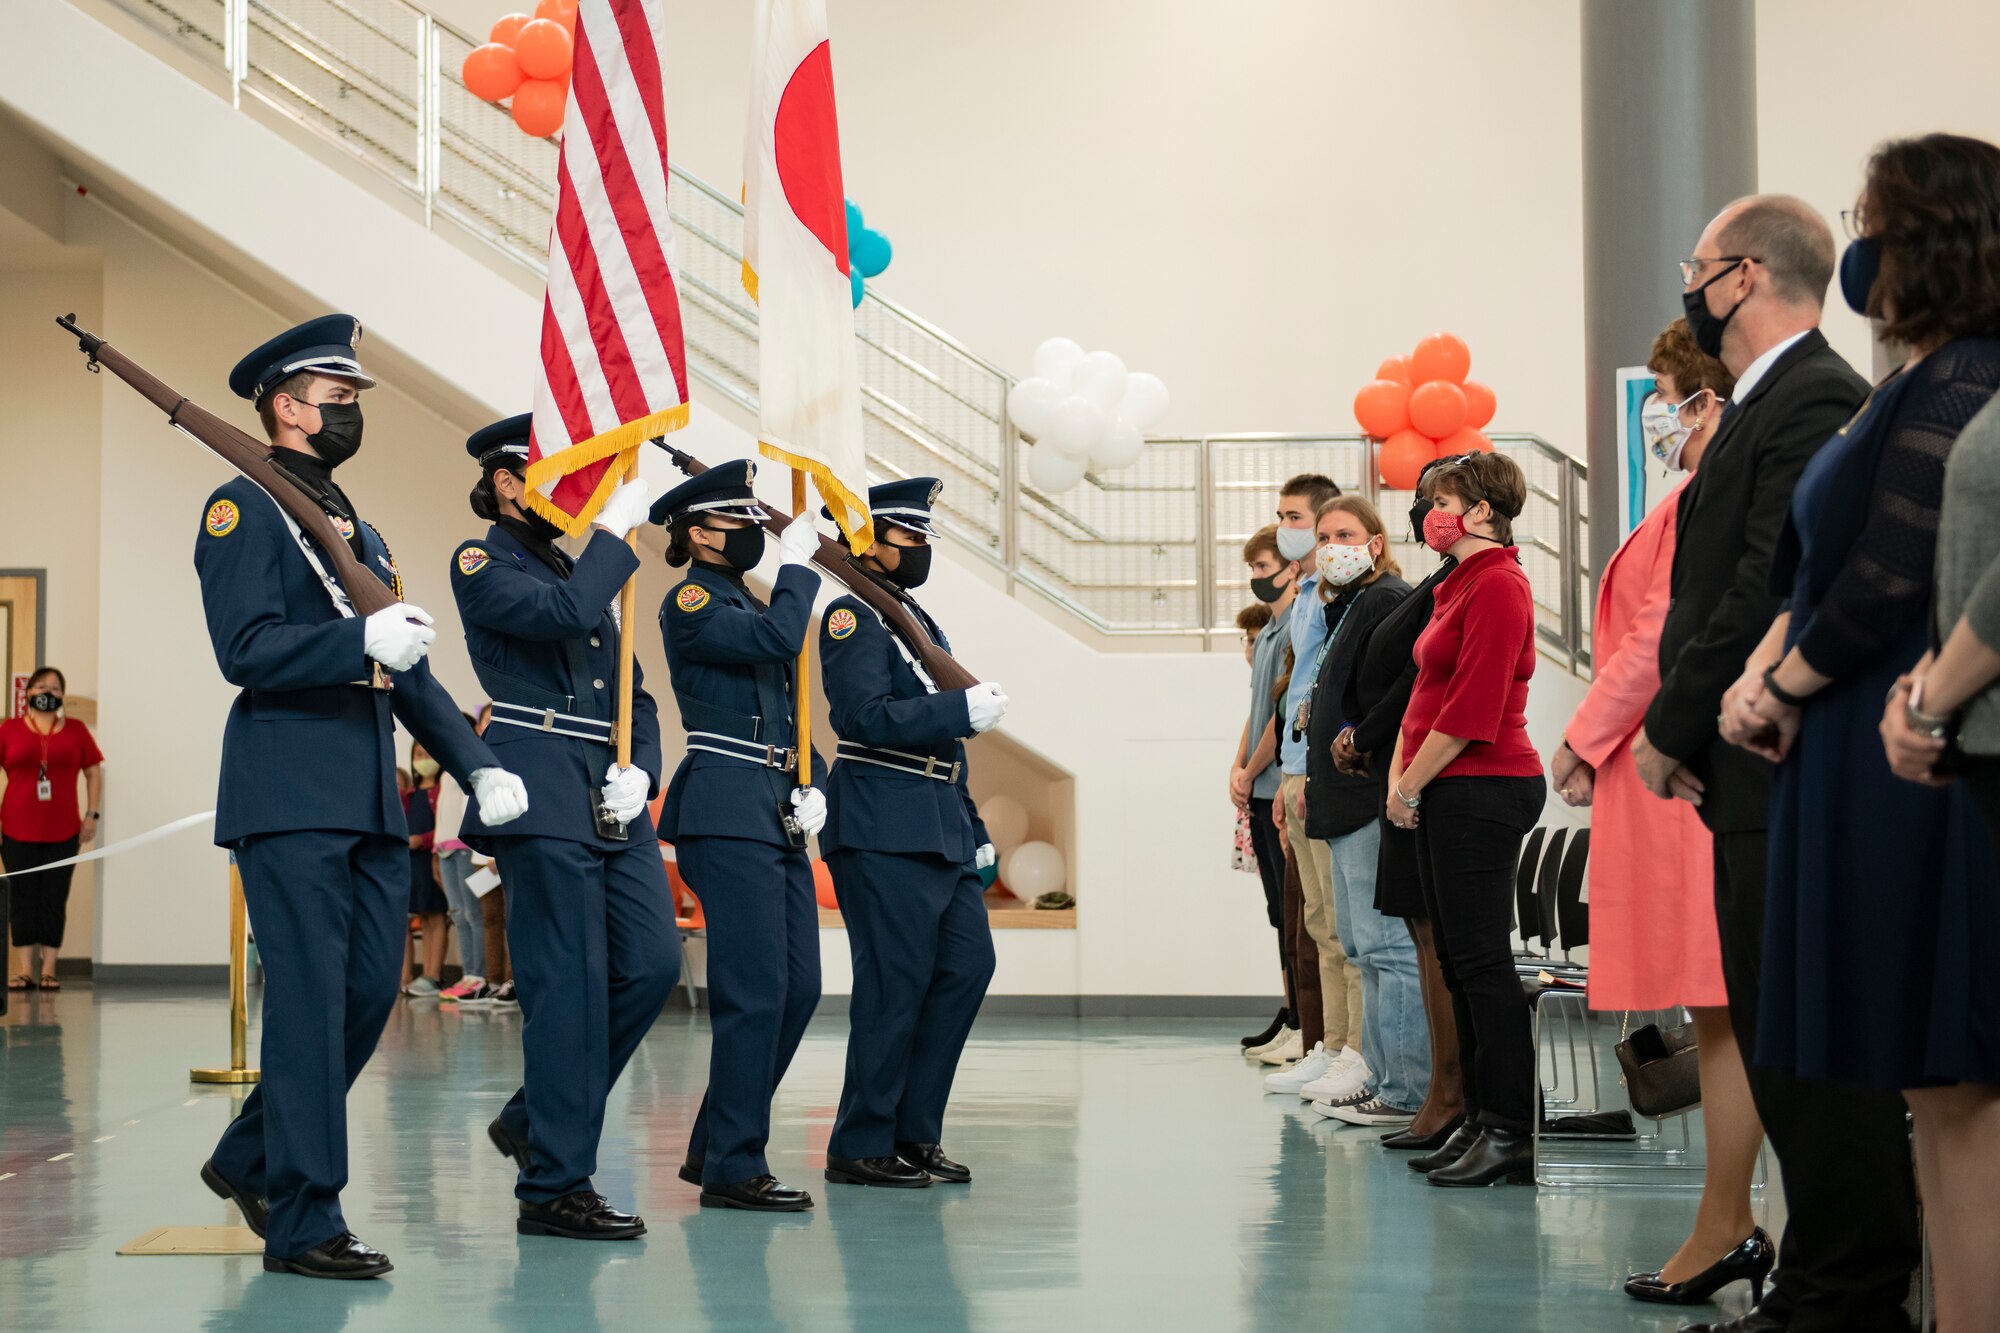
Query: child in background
(1251, 620)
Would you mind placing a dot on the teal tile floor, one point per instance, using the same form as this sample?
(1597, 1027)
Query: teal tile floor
(1130, 1175)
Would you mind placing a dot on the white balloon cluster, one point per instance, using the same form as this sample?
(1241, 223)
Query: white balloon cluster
(1083, 410)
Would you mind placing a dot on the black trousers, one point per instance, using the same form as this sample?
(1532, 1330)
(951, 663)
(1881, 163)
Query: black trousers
(1850, 1241)
(1269, 844)
(40, 900)
(1468, 843)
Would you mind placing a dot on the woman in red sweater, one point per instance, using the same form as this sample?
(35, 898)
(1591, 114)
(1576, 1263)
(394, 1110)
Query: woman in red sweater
(1466, 778)
(42, 753)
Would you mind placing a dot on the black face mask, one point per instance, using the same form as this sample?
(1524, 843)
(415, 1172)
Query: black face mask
(45, 702)
(1267, 588)
(540, 526)
(913, 566)
(1417, 512)
(339, 435)
(1706, 326)
(742, 548)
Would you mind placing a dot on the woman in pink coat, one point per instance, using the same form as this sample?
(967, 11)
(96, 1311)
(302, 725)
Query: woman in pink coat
(1653, 939)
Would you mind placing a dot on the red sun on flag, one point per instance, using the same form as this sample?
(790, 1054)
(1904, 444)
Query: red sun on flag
(808, 151)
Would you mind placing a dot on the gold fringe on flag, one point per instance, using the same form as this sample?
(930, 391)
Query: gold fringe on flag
(597, 448)
(843, 502)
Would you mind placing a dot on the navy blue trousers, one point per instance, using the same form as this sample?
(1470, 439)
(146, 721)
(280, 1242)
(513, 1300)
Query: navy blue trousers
(923, 955)
(595, 953)
(328, 910)
(763, 985)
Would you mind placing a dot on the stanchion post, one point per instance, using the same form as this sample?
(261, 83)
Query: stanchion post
(239, 1013)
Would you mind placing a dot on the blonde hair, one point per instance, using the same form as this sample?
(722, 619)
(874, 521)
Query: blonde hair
(1371, 519)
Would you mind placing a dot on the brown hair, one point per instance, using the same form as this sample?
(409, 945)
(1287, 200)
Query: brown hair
(1494, 478)
(1264, 541)
(1789, 238)
(1371, 519)
(1674, 353)
(61, 682)
(1315, 486)
(1252, 618)
(293, 386)
(1934, 203)
(1283, 684)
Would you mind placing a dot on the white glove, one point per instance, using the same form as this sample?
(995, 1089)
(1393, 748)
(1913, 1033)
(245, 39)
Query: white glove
(502, 797)
(986, 704)
(398, 636)
(809, 808)
(986, 855)
(625, 792)
(798, 543)
(626, 509)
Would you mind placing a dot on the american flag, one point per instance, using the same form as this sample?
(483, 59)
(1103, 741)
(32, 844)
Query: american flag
(614, 371)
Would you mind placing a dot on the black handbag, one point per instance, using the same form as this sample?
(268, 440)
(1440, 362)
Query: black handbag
(1662, 1070)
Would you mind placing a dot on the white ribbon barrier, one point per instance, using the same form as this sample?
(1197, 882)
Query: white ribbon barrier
(151, 835)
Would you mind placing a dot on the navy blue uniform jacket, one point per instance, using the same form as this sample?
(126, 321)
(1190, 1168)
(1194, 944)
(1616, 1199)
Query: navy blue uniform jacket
(304, 747)
(544, 641)
(728, 655)
(875, 699)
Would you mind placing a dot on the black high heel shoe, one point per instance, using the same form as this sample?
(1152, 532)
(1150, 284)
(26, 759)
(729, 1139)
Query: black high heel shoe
(1751, 1262)
(1404, 1141)
(1278, 1024)
(1449, 1151)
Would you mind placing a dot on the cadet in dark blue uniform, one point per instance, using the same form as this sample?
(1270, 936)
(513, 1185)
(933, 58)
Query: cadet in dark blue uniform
(906, 845)
(737, 820)
(308, 795)
(590, 921)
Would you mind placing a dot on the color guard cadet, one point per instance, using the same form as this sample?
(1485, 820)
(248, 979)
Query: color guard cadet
(905, 845)
(308, 795)
(590, 921)
(737, 820)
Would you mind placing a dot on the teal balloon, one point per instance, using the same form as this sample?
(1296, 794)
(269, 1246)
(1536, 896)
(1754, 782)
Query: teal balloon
(855, 278)
(870, 251)
(854, 224)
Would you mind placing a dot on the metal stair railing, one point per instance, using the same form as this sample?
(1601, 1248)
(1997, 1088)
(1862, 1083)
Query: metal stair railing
(1151, 550)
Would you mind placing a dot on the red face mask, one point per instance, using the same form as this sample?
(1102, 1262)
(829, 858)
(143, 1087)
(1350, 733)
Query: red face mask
(1443, 531)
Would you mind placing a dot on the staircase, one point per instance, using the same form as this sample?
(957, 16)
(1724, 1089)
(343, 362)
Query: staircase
(1150, 551)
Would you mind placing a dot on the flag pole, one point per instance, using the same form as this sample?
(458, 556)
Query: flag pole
(802, 735)
(628, 606)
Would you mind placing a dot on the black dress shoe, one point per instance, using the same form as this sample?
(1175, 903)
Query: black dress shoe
(1498, 1154)
(583, 1215)
(892, 1172)
(930, 1157)
(1278, 1024)
(1453, 1148)
(1756, 1321)
(1404, 1141)
(759, 1194)
(342, 1257)
(690, 1171)
(508, 1145)
(1752, 1261)
(256, 1209)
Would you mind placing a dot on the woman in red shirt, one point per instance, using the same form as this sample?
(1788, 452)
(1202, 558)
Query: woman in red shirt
(41, 753)
(1466, 778)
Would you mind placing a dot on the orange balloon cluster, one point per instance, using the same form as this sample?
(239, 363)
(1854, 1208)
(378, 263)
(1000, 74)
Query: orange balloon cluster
(527, 57)
(1422, 407)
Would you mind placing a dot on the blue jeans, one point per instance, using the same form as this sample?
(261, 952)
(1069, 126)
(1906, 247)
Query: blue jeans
(453, 867)
(1394, 1039)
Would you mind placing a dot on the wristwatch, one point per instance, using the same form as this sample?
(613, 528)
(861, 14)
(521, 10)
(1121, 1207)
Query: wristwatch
(1411, 801)
(1929, 724)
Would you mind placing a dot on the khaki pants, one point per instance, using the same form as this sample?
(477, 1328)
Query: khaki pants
(1339, 979)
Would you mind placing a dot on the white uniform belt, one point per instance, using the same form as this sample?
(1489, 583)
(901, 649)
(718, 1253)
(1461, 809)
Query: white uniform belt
(552, 722)
(919, 765)
(750, 752)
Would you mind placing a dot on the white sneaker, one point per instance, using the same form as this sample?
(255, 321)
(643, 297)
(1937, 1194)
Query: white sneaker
(1290, 1047)
(1374, 1111)
(1300, 1074)
(1284, 1035)
(1345, 1075)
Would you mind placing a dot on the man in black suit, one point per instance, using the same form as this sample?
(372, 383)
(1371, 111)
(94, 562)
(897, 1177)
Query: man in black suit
(1754, 290)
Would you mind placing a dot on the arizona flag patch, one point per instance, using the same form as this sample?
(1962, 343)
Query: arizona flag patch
(691, 597)
(345, 527)
(221, 520)
(840, 624)
(472, 559)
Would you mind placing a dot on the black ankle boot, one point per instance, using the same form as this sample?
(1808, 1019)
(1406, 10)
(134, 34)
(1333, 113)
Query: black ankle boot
(1453, 1148)
(1497, 1154)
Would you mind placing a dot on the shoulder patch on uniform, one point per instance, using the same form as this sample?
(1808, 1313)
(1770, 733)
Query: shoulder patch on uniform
(345, 527)
(472, 559)
(221, 519)
(691, 597)
(840, 623)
